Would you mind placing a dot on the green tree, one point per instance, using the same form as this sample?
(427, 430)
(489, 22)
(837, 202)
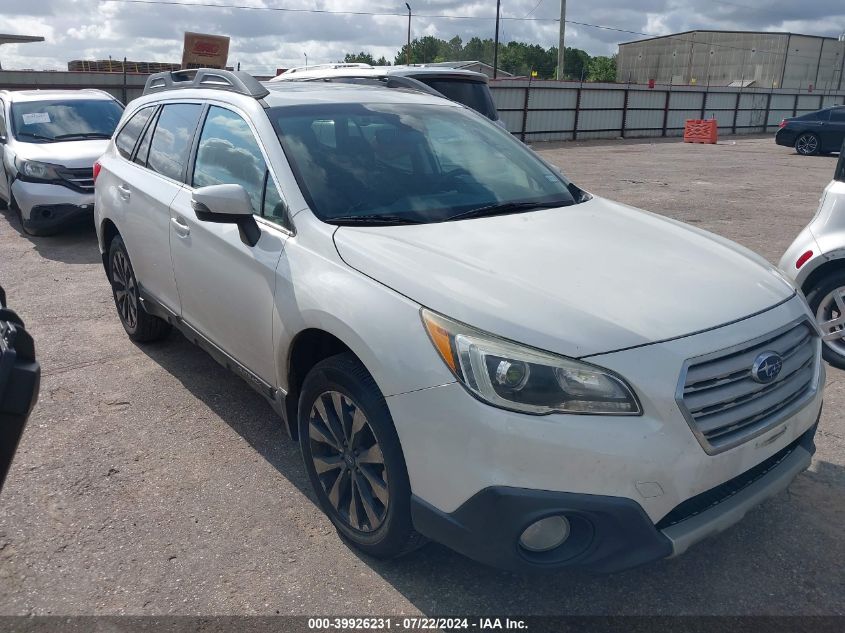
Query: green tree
(359, 58)
(575, 63)
(423, 50)
(602, 69)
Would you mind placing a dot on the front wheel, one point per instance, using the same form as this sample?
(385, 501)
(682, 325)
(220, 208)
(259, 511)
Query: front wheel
(354, 459)
(807, 144)
(138, 323)
(827, 301)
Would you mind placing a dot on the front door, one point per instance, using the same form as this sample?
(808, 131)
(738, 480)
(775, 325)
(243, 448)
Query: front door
(227, 287)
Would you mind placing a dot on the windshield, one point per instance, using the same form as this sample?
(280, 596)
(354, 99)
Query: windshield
(73, 119)
(473, 94)
(417, 163)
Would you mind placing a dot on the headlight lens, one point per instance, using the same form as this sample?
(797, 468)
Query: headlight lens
(35, 169)
(513, 376)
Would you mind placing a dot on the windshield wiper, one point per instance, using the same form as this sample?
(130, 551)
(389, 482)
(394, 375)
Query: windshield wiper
(346, 220)
(61, 137)
(502, 208)
(36, 136)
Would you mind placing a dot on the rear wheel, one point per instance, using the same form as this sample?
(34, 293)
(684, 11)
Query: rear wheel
(138, 323)
(807, 144)
(827, 301)
(354, 459)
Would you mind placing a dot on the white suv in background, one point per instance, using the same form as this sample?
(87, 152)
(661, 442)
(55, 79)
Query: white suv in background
(49, 140)
(468, 347)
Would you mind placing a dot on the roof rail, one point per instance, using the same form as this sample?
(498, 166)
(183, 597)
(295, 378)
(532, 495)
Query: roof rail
(408, 83)
(232, 81)
(299, 69)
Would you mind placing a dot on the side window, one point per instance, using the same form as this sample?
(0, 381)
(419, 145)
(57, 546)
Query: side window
(128, 136)
(837, 115)
(172, 138)
(144, 146)
(273, 206)
(229, 154)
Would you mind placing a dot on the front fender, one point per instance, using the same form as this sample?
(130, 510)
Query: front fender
(317, 290)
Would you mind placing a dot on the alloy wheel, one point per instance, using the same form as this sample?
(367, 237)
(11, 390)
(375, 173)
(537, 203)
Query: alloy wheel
(807, 144)
(125, 289)
(830, 316)
(348, 461)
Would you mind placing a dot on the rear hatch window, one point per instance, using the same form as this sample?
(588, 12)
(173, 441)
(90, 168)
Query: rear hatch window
(473, 94)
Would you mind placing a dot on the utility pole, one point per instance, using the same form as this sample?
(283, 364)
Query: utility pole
(560, 45)
(496, 41)
(408, 50)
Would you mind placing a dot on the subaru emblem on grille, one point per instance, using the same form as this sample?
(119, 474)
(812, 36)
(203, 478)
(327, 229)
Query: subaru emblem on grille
(766, 367)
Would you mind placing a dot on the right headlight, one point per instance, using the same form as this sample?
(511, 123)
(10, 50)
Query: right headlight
(513, 376)
(37, 170)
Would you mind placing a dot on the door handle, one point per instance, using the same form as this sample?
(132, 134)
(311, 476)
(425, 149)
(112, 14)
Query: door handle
(179, 226)
(124, 192)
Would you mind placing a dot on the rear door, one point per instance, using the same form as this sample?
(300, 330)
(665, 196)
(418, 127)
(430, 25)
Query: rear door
(146, 188)
(227, 287)
(835, 131)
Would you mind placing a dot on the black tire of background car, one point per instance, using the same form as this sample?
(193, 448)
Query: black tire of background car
(825, 286)
(344, 373)
(147, 328)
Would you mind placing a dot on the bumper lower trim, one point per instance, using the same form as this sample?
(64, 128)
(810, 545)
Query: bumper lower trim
(730, 511)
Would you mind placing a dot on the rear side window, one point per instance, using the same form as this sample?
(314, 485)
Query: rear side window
(172, 138)
(474, 94)
(821, 115)
(128, 136)
(837, 115)
(229, 154)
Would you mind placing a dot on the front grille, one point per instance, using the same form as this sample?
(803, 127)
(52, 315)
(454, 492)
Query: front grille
(80, 179)
(713, 497)
(725, 406)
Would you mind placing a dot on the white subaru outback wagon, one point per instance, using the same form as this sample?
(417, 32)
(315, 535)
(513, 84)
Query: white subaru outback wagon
(469, 348)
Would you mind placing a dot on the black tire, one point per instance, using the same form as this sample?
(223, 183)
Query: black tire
(391, 533)
(815, 296)
(808, 144)
(141, 326)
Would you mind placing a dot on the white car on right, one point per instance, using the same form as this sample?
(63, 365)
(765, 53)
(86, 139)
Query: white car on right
(816, 263)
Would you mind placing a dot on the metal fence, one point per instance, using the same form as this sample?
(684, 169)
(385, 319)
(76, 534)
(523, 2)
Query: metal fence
(553, 111)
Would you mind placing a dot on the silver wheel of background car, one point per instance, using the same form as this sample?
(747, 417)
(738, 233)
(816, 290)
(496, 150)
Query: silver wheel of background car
(807, 144)
(348, 461)
(830, 316)
(125, 290)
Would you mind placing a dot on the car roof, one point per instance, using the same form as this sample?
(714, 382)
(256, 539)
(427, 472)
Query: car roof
(53, 95)
(364, 70)
(290, 93)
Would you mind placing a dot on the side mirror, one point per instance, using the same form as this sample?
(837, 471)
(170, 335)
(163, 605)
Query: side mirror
(3, 139)
(227, 204)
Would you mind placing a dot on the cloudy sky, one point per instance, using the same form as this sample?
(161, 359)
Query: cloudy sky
(263, 40)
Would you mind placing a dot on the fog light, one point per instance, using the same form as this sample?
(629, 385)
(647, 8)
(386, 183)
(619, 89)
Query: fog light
(545, 534)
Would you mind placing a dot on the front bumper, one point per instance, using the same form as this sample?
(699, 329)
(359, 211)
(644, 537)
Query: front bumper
(607, 534)
(457, 447)
(46, 206)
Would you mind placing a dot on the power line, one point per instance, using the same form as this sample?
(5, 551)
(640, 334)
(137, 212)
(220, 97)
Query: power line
(536, 6)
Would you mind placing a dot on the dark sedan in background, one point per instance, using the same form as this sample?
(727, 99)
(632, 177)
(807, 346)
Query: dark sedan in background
(818, 132)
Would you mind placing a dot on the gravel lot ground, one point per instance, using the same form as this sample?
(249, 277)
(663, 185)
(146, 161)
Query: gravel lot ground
(151, 481)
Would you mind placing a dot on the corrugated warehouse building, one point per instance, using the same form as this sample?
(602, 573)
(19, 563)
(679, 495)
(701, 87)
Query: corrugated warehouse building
(724, 58)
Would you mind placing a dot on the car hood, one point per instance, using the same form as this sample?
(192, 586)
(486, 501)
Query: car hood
(72, 154)
(581, 280)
